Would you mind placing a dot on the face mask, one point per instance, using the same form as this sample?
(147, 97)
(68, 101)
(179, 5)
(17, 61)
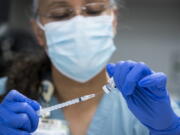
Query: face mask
(81, 47)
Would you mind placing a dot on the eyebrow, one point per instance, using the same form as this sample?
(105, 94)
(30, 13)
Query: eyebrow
(90, 1)
(58, 3)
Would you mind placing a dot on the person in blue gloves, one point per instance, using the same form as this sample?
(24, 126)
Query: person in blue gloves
(77, 37)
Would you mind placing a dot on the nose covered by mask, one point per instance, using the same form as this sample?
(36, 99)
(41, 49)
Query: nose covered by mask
(81, 47)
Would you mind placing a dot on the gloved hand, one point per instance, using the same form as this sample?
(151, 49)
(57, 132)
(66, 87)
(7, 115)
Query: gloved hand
(18, 115)
(146, 95)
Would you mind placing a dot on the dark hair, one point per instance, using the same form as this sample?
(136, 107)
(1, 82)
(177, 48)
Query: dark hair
(26, 73)
(28, 66)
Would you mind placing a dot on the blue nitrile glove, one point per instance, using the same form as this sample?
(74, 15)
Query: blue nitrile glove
(146, 96)
(18, 115)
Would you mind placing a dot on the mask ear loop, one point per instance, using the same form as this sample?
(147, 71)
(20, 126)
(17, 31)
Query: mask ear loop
(39, 23)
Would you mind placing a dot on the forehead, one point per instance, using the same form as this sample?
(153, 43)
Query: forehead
(47, 3)
(50, 1)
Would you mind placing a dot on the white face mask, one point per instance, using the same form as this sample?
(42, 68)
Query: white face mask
(81, 47)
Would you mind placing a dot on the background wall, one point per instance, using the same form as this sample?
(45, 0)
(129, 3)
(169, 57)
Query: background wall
(4, 11)
(149, 31)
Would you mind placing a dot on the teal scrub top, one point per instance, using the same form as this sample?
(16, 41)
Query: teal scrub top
(112, 117)
(2, 85)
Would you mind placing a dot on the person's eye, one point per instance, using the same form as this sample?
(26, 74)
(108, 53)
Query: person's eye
(61, 14)
(95, 9)
(94, 12)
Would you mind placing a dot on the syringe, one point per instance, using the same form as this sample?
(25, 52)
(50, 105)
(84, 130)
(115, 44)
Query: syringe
(45, 111)
(106, 88)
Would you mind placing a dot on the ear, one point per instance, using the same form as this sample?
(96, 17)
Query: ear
(38, 33)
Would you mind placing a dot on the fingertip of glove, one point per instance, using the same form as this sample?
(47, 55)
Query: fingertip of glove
(145, 82)
(157, 79)
(110, 69)
(35, 105)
